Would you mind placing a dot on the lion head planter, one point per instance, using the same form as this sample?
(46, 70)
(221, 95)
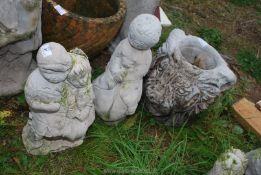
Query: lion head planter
(185, 78)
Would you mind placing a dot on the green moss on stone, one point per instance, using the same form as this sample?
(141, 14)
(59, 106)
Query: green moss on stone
(65, 93)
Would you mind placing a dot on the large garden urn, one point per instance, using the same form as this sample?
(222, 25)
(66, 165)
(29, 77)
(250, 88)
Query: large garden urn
(87, 24)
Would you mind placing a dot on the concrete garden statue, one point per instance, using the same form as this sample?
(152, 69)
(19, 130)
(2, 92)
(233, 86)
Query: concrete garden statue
(60, 97)
(118, 90)
(254, 162)
(233, 162)
(134, 8)
(236, 162)
(185, 78)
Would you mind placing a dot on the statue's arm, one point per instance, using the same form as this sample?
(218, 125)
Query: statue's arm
(144, 63)
(47, 107)
(116, 66)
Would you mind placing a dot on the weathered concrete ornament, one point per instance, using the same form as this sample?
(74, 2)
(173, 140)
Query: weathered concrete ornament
(60, 97)
(134, 8)
(118, 90)
(185, 78)
(233, 162)
(20, 34)
(254, 162)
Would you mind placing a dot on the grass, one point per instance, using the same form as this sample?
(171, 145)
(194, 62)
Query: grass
(140, 145)
(250, 63)
(21, 99)
(96, 72)
(139, 153)
(244, 2)
(212, 36)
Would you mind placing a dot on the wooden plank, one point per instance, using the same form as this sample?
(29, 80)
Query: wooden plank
(255, 124)
(246, 109)
(248, 115)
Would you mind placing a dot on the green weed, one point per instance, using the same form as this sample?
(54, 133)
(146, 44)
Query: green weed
(137, 154)
(21, 99)
(164, 36)
(250, 63)
(138, 145)
(211, 36)
(244, 2)
(96, 72)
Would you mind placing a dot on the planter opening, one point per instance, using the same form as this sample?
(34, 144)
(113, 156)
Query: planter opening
(91, 8)
(194, 53)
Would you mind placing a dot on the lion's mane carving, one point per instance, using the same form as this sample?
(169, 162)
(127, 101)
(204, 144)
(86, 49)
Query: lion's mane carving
(176, 90)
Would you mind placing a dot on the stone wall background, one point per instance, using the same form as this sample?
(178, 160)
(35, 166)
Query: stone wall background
(20, 35)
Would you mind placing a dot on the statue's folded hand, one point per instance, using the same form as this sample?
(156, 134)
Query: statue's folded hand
(45, 107)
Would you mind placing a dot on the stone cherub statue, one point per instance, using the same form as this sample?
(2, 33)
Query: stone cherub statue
(185, 78)
(60, 97)
(118, 90)
(236, 162)
(134, 8)
(232, 162)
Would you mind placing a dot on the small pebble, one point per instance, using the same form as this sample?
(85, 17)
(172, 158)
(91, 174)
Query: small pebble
(258, 105)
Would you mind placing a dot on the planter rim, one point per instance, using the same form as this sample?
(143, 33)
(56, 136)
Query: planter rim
(120, 13)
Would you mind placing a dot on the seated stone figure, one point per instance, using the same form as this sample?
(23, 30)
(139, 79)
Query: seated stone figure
(59, 86)
(118, 90)
(185, 78)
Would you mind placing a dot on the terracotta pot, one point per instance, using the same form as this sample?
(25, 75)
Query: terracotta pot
(88, 24)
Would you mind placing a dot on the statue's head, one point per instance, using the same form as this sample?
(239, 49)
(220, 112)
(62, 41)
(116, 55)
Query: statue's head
(80, 74)
(144, 31)
(54, 62)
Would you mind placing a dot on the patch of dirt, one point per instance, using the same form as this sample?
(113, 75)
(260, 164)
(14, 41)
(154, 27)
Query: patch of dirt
(254, 92)
(19, 112)
(240, 28)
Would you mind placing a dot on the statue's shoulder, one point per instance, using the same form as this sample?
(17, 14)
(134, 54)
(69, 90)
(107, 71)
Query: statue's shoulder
(123, 49)
(35, 75)
(36, 80)
(124, 44)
